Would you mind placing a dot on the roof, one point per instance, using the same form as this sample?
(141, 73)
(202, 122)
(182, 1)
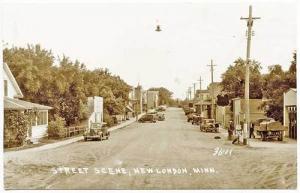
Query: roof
(129, 108)
(292, 89)
(202, 91)
(203, 103)
(16, 104)
(13, 80)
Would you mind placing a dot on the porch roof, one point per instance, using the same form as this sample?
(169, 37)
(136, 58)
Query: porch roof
(203, 103)
(16, 104)
(129, 108)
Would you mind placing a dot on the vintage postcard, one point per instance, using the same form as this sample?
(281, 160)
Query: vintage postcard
(149, 95)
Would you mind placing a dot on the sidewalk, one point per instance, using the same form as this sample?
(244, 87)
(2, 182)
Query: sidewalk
(68, 141)
(258, 143)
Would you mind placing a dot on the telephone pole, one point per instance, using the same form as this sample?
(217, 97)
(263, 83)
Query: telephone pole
(190, 93)
(212, 88)
(250, 20)
(200, 82)
(194, 84)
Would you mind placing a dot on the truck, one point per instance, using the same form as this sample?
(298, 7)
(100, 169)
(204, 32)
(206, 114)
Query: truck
(268, 128)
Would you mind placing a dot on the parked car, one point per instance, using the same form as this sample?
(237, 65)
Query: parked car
(187, 110)
(153, 112)
(161, 108)
(148, 118)
(190, 117)
(161, 116)
(209, 125)
(197, 119)
(96, 132)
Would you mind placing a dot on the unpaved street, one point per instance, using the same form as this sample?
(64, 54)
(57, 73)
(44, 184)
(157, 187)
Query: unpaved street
(170, 144)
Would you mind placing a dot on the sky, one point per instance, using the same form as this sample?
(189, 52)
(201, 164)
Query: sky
(122, 37)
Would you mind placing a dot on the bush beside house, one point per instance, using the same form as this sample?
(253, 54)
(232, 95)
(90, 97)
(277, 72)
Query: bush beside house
(56, 128)
(16, 124)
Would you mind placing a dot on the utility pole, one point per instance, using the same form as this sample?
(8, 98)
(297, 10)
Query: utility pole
(250, 20)
(212, 88)
(187, 95)
(190, 93)
(200, 82)
(194, 84)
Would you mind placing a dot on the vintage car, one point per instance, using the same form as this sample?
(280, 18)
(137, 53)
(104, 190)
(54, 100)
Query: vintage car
(190, 117)
(209, 125)
(268, 128)
(148, 118)
(186, 110)
(161, 116)
(96, 132)
(197, 119)
(161, 108)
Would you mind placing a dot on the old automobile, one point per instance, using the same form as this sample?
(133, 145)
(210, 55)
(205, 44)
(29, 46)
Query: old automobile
(268, 128)
(190, 117)
(209, 125)
(96, 132)
(148, 118)
(161, 116)
(161, 108)
(153, 112)
(197, 119)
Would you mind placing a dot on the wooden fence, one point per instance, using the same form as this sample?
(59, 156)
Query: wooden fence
(76, 130)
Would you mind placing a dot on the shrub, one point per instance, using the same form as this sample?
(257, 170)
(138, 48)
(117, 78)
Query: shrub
(108, 119)
(16, 124)
(56, 128)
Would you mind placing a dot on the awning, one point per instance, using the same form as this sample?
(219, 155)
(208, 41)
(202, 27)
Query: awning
(16, 104)
(129, 108)
(203, 103)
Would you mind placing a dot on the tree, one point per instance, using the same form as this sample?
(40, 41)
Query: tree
(233, 80)
(275, 83)
(65, 86)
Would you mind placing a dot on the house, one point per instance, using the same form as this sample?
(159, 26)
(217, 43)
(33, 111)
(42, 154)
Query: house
(239, 113)
(152, 99)
(290, 112)
(13, 102)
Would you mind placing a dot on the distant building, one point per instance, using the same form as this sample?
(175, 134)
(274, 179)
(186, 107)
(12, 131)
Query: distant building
(290, 112)
(152, 99)
(203, 100)
(12, 102)
(203, 103)
(95, 107)
(136, 98)
(239, 112)
(223, 115)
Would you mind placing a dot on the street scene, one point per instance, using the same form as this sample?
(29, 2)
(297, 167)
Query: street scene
(173, 143)
(137, 96)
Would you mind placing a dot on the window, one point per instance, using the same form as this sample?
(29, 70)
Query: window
(5, 88)
(42, 118)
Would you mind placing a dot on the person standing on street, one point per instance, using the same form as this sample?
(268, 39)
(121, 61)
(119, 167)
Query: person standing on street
(251, 133)
(230, 130)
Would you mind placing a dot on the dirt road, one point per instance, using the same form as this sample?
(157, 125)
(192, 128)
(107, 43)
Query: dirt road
(177, 153)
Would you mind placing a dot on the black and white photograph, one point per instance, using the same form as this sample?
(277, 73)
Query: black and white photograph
(149, 95)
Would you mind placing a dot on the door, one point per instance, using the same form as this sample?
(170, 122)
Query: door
(292, 115)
